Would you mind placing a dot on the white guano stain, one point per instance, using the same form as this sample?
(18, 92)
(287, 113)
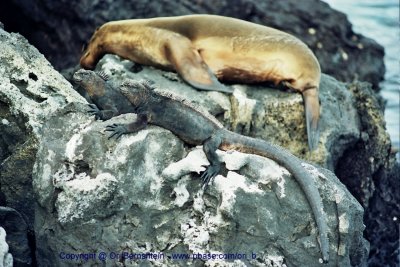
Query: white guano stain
(70, 147)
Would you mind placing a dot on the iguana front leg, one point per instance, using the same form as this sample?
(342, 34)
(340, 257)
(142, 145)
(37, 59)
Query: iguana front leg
(117, 130)
(104, 115)
(210, 147)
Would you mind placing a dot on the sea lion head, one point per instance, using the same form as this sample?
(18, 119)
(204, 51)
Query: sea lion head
(93, 51)
(87, 60)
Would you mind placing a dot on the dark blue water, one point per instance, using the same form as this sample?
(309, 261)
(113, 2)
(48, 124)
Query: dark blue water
(379, 20)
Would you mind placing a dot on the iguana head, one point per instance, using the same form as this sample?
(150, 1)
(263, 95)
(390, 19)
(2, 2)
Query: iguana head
(93, 82)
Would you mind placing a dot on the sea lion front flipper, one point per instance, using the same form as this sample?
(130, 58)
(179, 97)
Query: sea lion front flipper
(311, 107)
(190, 65)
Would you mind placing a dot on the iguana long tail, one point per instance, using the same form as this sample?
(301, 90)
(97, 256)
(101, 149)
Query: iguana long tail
(250, 145)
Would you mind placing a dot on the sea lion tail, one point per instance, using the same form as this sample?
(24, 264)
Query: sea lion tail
(311, 107)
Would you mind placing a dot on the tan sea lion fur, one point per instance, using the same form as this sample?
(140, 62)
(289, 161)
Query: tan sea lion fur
(199, 46)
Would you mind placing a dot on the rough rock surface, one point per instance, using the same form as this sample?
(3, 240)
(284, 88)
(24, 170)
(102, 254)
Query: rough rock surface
(30, 90)
(340, 50)
(369, 170)
(371, 152)
(382, 219)
(142, 194)
(6, 259)
(19, 237)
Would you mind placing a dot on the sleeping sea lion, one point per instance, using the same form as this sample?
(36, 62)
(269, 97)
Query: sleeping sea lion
(206, 48)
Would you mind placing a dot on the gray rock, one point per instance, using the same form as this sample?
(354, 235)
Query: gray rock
(6, 259)
(30, 91)
(142, 194)
(340, 50)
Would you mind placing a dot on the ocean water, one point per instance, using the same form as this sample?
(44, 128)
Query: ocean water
(379, 20)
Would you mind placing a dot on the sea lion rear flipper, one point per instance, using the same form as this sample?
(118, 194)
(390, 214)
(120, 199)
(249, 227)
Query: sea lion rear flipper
(189, 64)
(311, 106)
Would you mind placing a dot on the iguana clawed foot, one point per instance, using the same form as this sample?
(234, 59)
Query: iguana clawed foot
(117, 130)
(94, 110)
(209, 174)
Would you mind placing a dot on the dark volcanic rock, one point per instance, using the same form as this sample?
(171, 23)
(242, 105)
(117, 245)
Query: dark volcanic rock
(17, 236)
(371, 152)
(369, 171)
(59, 29)
(382, 218)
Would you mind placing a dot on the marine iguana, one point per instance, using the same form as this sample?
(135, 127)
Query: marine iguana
(194, 127)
